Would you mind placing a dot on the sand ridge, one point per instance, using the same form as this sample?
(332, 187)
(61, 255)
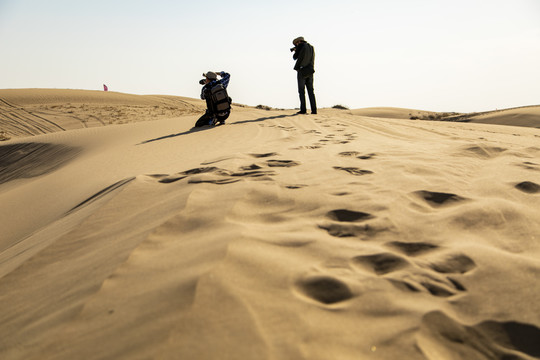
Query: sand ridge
(275, 236)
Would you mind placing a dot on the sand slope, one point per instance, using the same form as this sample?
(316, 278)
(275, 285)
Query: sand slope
(333, 236)
(25, 112)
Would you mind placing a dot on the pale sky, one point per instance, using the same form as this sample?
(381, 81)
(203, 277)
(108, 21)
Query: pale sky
(440, 55)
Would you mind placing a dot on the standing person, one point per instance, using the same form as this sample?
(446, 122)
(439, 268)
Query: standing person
(218, 102)
(304, 54)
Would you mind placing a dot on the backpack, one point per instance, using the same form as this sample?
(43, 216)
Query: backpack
(221, 102)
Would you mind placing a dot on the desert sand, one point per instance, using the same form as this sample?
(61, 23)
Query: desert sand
(126, 234)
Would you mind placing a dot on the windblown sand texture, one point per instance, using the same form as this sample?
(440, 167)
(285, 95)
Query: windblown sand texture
(334, 236)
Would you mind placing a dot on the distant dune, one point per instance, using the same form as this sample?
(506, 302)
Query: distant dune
(392, 113)
(344, 235)
(528, 116)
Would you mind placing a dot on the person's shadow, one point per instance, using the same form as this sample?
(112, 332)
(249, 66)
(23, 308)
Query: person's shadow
(262, 119)
(203, 128)
(190, 131)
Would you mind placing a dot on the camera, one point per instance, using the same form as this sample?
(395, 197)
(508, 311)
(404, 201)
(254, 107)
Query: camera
(293, 49)
(202, 81)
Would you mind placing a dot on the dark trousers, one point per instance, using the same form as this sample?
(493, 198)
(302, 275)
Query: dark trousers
(303, 84)
(208, 118)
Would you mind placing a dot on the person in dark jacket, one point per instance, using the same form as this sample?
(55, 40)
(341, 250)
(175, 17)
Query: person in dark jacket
(211, 116)
(304, 54)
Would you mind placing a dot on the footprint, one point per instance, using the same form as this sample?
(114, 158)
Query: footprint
(157, 176)
(414, 248)
(417, 278)
(167, 179)
(213, 181)
(250, 167)
(404, 285)
(348, 215)
(218, 176)
(282, 163)
(528, 187)
(295, 186)
(459, 286)
(381, 264)
(349, 153)
(441, 334)
(171, 179)
(356, 154)
(366, 157)
(485, 152)
(325, 289)
(341, 193)
(249, 171)
(529, 166)
(455, 263)
(364, 231)
(253, 173)
(437, 289)
(435, 285)
(438, 198)
(354, 171)
(201, 170)
(264, 155)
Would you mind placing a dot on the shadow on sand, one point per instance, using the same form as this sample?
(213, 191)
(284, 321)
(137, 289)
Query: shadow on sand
(202, 128)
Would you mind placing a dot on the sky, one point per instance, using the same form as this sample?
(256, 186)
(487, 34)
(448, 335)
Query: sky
(438, 55)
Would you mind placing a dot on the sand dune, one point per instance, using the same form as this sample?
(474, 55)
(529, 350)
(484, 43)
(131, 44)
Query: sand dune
(25, 112)
(335, 236)
(527, 116)
(392, 113)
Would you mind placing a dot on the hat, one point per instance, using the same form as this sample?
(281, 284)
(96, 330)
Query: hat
(211, 75)
(298, 39)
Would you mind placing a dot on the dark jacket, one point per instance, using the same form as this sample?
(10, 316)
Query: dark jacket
(304, 56)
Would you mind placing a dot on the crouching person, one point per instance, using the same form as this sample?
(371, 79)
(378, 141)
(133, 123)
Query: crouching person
(218, 102)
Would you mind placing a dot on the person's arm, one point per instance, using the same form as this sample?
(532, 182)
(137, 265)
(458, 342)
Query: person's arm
(299, 56)
(202, 92)
(225, 78)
